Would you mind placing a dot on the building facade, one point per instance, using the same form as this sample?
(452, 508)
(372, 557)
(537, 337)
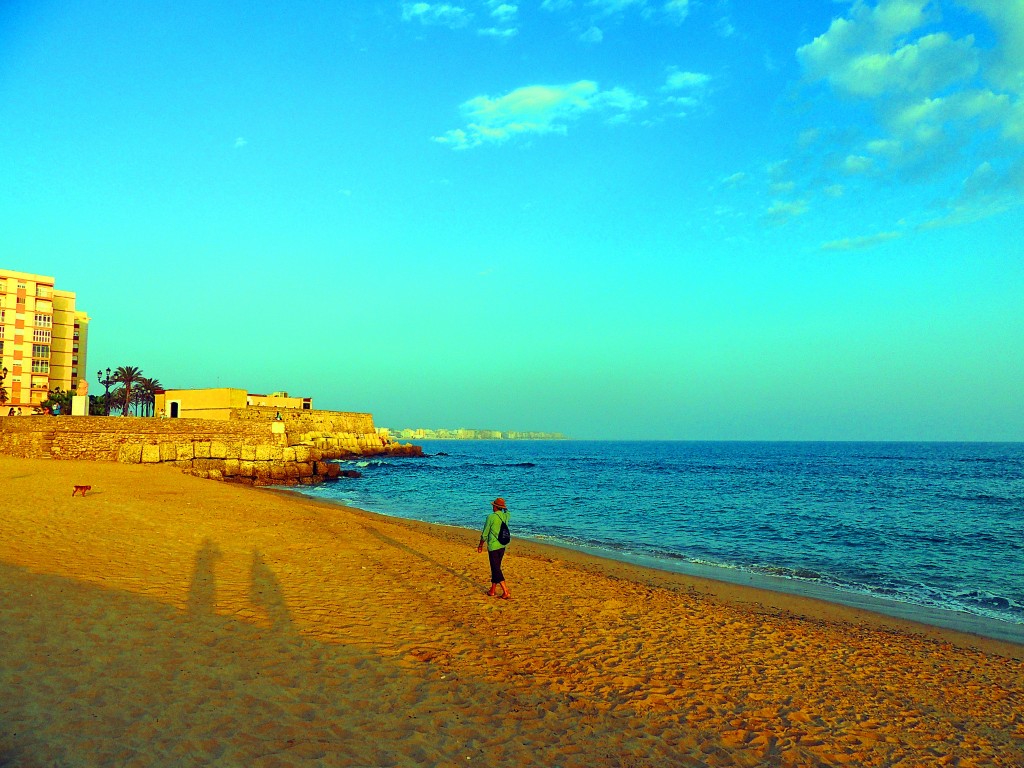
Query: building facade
(42, 338)
(221, 403)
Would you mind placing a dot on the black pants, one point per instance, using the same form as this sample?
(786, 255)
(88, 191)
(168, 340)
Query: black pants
(494, 556)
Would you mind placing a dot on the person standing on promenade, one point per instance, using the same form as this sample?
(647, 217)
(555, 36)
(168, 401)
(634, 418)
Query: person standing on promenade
(495, 549)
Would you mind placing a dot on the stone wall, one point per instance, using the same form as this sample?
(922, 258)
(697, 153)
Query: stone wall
(299, 421)
(250, 450)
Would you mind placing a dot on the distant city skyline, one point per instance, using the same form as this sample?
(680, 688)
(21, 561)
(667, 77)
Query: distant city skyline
(643, 219)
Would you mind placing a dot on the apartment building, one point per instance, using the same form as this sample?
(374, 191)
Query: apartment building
(42, 338)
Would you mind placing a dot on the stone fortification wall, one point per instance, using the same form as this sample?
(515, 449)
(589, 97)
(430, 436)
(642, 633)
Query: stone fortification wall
(256, 451)
(299, 421)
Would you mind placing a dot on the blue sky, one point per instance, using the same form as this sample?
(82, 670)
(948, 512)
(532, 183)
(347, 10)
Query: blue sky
(613, 218)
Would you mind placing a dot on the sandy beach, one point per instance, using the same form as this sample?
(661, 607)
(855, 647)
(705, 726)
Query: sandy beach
(168, 620)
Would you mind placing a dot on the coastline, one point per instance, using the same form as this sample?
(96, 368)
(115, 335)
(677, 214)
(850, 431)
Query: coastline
(164, 618)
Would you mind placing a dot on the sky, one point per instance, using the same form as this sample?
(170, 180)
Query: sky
(616, 219)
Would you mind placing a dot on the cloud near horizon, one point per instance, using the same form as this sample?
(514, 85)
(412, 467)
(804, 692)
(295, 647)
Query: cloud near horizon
(537, 110)
(860, 243)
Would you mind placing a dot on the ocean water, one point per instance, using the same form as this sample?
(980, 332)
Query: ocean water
(937, 526)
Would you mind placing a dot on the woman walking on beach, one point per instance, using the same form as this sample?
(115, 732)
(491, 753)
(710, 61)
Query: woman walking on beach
(495, 549)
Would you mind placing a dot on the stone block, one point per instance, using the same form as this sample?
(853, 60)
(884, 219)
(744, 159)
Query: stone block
(231, 467)
(216, 474)
(303, 468)
(150, 454)
(186, 452)
(130, 454)
(302, 452)
(247, 468)
(202, 450)
(264, 452)
(247, 452)
(168, 452)
(288, 454)
(218, 450)
(278, 470)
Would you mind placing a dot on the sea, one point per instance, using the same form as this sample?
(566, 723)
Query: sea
(932, 532)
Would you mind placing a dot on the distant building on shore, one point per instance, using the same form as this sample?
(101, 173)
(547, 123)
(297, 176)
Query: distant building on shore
(42, 338)
(473, 434)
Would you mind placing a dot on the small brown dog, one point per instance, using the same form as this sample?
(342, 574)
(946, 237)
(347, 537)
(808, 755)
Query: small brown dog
(81, 489)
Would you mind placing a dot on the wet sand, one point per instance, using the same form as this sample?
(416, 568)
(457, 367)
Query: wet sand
(167, 620)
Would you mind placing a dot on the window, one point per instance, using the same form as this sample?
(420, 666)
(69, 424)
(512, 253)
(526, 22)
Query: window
(42, 336)
(44, 321)
(43, 291)
(1, 346)
(40, 352)
(40, 366)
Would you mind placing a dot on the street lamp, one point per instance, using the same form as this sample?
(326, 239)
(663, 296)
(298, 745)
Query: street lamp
(106, 382)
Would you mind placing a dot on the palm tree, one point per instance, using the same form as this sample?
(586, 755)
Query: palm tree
(129, 377)
(117, 401)
(147, 394)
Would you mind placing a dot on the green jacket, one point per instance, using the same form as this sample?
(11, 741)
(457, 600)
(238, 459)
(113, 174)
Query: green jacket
(491, 527)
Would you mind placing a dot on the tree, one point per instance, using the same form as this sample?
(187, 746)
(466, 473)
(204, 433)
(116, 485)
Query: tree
(128, 376)
(58, 401)
(147, 394)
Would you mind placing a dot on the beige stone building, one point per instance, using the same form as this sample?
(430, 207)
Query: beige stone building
(43, 338)
(220, 403)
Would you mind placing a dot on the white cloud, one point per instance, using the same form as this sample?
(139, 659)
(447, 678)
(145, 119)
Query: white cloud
(809, 137)
(609, 7)
(677, 10)
(933, 62)
(678, 81)
(1007, 19)
(504, 12)
(556, 5)
(240, 142)
(988, 191)
(724, 27)
(441, 14)
(939, 101)
(779, 212)
(858, 164)
(505, 32)
(537, 110)
(860, 243)
(834, 190)
(734, 180)
(867, 30)
(592, 35)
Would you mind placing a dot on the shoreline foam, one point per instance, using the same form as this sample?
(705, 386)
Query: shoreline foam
(165, 619)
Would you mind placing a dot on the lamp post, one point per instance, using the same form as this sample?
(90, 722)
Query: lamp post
(106, 382)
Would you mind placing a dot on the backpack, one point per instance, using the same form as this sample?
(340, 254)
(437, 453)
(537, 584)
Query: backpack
(504, 534)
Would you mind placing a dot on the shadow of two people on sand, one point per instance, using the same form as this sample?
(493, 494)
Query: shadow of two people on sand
(265, 591)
